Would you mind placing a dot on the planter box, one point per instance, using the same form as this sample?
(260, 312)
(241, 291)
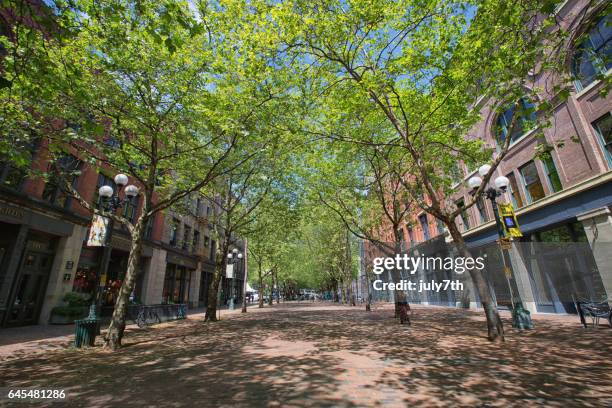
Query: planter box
(62, 319)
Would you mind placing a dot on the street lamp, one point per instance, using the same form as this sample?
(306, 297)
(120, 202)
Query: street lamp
(233, 258)
(110, 203)
(520, 317)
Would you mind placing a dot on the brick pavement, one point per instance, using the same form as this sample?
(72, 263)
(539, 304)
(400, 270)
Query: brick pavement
(313, 355)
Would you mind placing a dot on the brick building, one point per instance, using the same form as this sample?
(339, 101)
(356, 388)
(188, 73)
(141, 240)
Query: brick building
(43, 232)
(563, 200)
(44, 252)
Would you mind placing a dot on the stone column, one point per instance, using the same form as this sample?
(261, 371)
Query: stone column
(68, 250)
(194, 286)
(153, 281)
(598, 228)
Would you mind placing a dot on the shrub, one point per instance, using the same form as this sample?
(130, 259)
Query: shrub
(76, 300)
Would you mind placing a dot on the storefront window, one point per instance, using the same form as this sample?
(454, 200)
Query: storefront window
(176, 284)
(84, 280)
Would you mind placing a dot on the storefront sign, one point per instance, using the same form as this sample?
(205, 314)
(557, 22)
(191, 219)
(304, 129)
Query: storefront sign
(11, 212)
(98, 232)
(509, 222)
(181, 260)
(69, 264)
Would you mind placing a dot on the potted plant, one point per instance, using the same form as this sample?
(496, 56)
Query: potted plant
(75, 306)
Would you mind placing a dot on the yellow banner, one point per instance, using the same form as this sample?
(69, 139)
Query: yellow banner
(508, 220)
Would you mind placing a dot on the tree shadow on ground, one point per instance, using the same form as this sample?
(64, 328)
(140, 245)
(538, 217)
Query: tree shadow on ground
(312, 356)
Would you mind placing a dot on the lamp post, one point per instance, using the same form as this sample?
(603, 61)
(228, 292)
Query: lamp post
(520, 317)
(244, 284)
(233, 258)
(110, 203)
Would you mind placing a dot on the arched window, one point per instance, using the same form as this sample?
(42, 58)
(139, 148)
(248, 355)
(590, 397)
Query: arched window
(521, 125)
(594, 54)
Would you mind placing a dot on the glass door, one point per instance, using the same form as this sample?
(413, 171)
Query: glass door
(30, 289)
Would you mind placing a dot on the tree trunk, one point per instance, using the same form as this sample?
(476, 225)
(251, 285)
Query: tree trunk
(399, 296)
(495, 327)
(277, 288)
(116, 328)
(368, 307)
(213, 289)
(271, 300)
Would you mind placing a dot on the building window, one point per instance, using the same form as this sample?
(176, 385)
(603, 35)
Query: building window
(103, 180)
(593, 55)
(196, 240)
(531, 181)
(482, 210)
(554, 182)
(174, 232)
(440, 226)
(198, 207)
(212, 250)
(129, 208)
(112, 142)
(66, 169)
(206, 240)
(176, 284)
(186, 237)
(464, 216)
(603, 128)
(517, 201)
(411, 235)
(11, 176)
(424, 226)
(521, 125)
(149, 228)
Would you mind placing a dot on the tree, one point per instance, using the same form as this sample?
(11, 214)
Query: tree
(357, 185)
(416, 69)
(156, 91)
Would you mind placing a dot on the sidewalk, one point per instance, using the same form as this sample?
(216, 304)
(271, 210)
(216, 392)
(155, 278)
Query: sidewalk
(16, 342)
(330, 355)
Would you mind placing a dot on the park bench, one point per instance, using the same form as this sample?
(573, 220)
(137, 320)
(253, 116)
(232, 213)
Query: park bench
(594, 310)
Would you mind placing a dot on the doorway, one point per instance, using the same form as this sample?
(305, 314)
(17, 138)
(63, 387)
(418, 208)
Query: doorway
(29, 289)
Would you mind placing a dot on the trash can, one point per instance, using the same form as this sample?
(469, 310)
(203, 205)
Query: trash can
(521, 317)
(85, 332)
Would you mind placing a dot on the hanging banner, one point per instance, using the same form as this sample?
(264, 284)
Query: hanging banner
(229, 272)
(509, 222)
(98, 232)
